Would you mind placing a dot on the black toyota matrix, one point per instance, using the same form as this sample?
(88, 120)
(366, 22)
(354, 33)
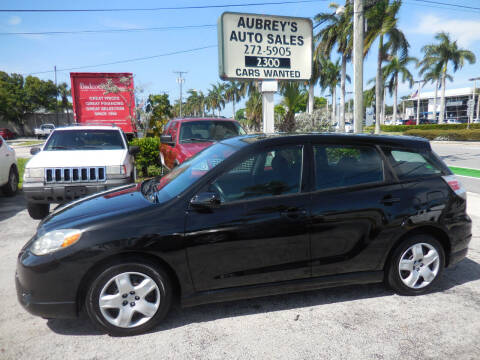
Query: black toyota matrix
(250, 216)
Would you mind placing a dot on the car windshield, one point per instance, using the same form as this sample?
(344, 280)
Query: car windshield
(209, 130)
(85, 140)
(180, 178)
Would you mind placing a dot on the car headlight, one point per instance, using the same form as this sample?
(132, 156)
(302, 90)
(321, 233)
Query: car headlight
(116, 171)
(33, 174)
(55, 240)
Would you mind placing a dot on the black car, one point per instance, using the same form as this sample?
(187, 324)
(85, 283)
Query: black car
(250, 216)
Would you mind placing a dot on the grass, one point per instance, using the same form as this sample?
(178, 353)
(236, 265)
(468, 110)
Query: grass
(465, 171)
(21, 169)
(29, 143)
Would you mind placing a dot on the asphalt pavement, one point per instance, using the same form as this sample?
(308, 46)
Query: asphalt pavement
(353, 322)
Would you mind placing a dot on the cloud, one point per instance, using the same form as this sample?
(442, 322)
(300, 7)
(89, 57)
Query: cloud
(14, 20)
(465, 31)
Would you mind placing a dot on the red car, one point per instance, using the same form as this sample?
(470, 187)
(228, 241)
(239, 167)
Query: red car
(7, 134)
(183, 138)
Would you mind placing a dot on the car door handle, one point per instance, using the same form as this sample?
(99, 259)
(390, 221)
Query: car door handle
(389, 200)
(294, 213)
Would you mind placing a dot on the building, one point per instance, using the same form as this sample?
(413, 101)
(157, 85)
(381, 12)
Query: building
(456, 103)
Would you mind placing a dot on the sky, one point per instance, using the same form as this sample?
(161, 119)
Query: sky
(192, 29)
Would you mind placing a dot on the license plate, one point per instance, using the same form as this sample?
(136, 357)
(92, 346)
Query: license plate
(75, 191)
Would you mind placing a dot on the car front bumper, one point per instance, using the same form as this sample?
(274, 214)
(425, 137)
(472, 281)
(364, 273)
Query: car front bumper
(61, 193)
(44, 287)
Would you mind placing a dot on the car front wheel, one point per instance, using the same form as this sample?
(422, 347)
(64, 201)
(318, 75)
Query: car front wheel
(38, 211)
(416, 265)
(129, 298)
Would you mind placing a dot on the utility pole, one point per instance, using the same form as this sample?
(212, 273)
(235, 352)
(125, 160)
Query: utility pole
(56, 95)
(358, 34)
(419, 82)
(180, 81)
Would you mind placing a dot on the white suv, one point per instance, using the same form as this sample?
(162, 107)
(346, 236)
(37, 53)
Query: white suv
(76, 162)
(8, 169)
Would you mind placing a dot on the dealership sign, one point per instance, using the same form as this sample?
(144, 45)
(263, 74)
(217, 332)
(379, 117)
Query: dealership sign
(264, 47)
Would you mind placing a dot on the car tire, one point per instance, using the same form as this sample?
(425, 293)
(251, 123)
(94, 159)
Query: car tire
(128, 307)
(38, 211)
(416, 265)
(11, 187)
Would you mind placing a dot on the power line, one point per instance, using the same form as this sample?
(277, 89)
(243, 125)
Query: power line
(165, 28)
(448, 4)
(163, 8)
(125, 61)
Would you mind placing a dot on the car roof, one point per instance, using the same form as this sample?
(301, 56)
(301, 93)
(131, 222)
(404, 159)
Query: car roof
(334, 138)
(87, 127)
(182, 120)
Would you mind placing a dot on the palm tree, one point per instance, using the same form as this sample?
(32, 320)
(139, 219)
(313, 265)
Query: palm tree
(253, 110)
(382, 20)
(330, 76)
(64, 94)
(234, 91)
(216, 97)
(312, 82)
(338, 32)
(391, 73)
(439, 55)
(293, 94)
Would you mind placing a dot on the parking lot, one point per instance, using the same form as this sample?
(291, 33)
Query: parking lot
(354, 322)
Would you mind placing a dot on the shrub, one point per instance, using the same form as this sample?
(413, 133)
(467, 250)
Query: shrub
(455, 135)
(148, 155)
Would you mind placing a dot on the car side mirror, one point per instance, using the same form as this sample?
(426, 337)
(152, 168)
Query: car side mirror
(133, 150)
(35, 150)
(205, 201)
(167, 139)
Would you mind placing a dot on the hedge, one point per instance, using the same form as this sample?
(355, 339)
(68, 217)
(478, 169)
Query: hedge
(401, 128)
(147, 159)
(457, 135)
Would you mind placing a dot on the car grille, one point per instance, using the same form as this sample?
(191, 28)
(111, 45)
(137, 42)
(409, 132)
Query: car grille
(75, 175)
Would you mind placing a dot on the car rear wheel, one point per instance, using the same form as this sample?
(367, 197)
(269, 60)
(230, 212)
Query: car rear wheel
(11, 187)
(129, 299)
(38, 211)
(416, 265)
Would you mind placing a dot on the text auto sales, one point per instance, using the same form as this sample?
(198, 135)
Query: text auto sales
(267, 54)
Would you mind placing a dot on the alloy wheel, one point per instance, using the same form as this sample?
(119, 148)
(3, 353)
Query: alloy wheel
(129, 299)
(419, 265)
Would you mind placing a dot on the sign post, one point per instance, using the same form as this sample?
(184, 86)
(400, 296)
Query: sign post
(265, 48)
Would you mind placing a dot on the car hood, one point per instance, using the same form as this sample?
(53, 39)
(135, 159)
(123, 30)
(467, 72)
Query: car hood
(191, 149)
(112, 203)
(77, 158)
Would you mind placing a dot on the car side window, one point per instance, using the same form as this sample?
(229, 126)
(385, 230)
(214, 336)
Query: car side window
(411, 164)
(339, 166)
(277, 171)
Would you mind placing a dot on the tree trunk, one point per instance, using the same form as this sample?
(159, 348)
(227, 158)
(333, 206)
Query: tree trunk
(311, 98)
(435, 101)
(383, 106)
(334, 104)
(441, 118)
(379, 86)
(342, 93)
(395, 100)
(233, 107)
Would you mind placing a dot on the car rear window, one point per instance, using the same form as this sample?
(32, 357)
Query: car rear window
(197, 131)
(339, 166)
(409, 164)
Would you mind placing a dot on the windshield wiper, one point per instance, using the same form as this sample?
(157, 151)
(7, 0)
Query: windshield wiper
(60, 148)
(198, 139)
